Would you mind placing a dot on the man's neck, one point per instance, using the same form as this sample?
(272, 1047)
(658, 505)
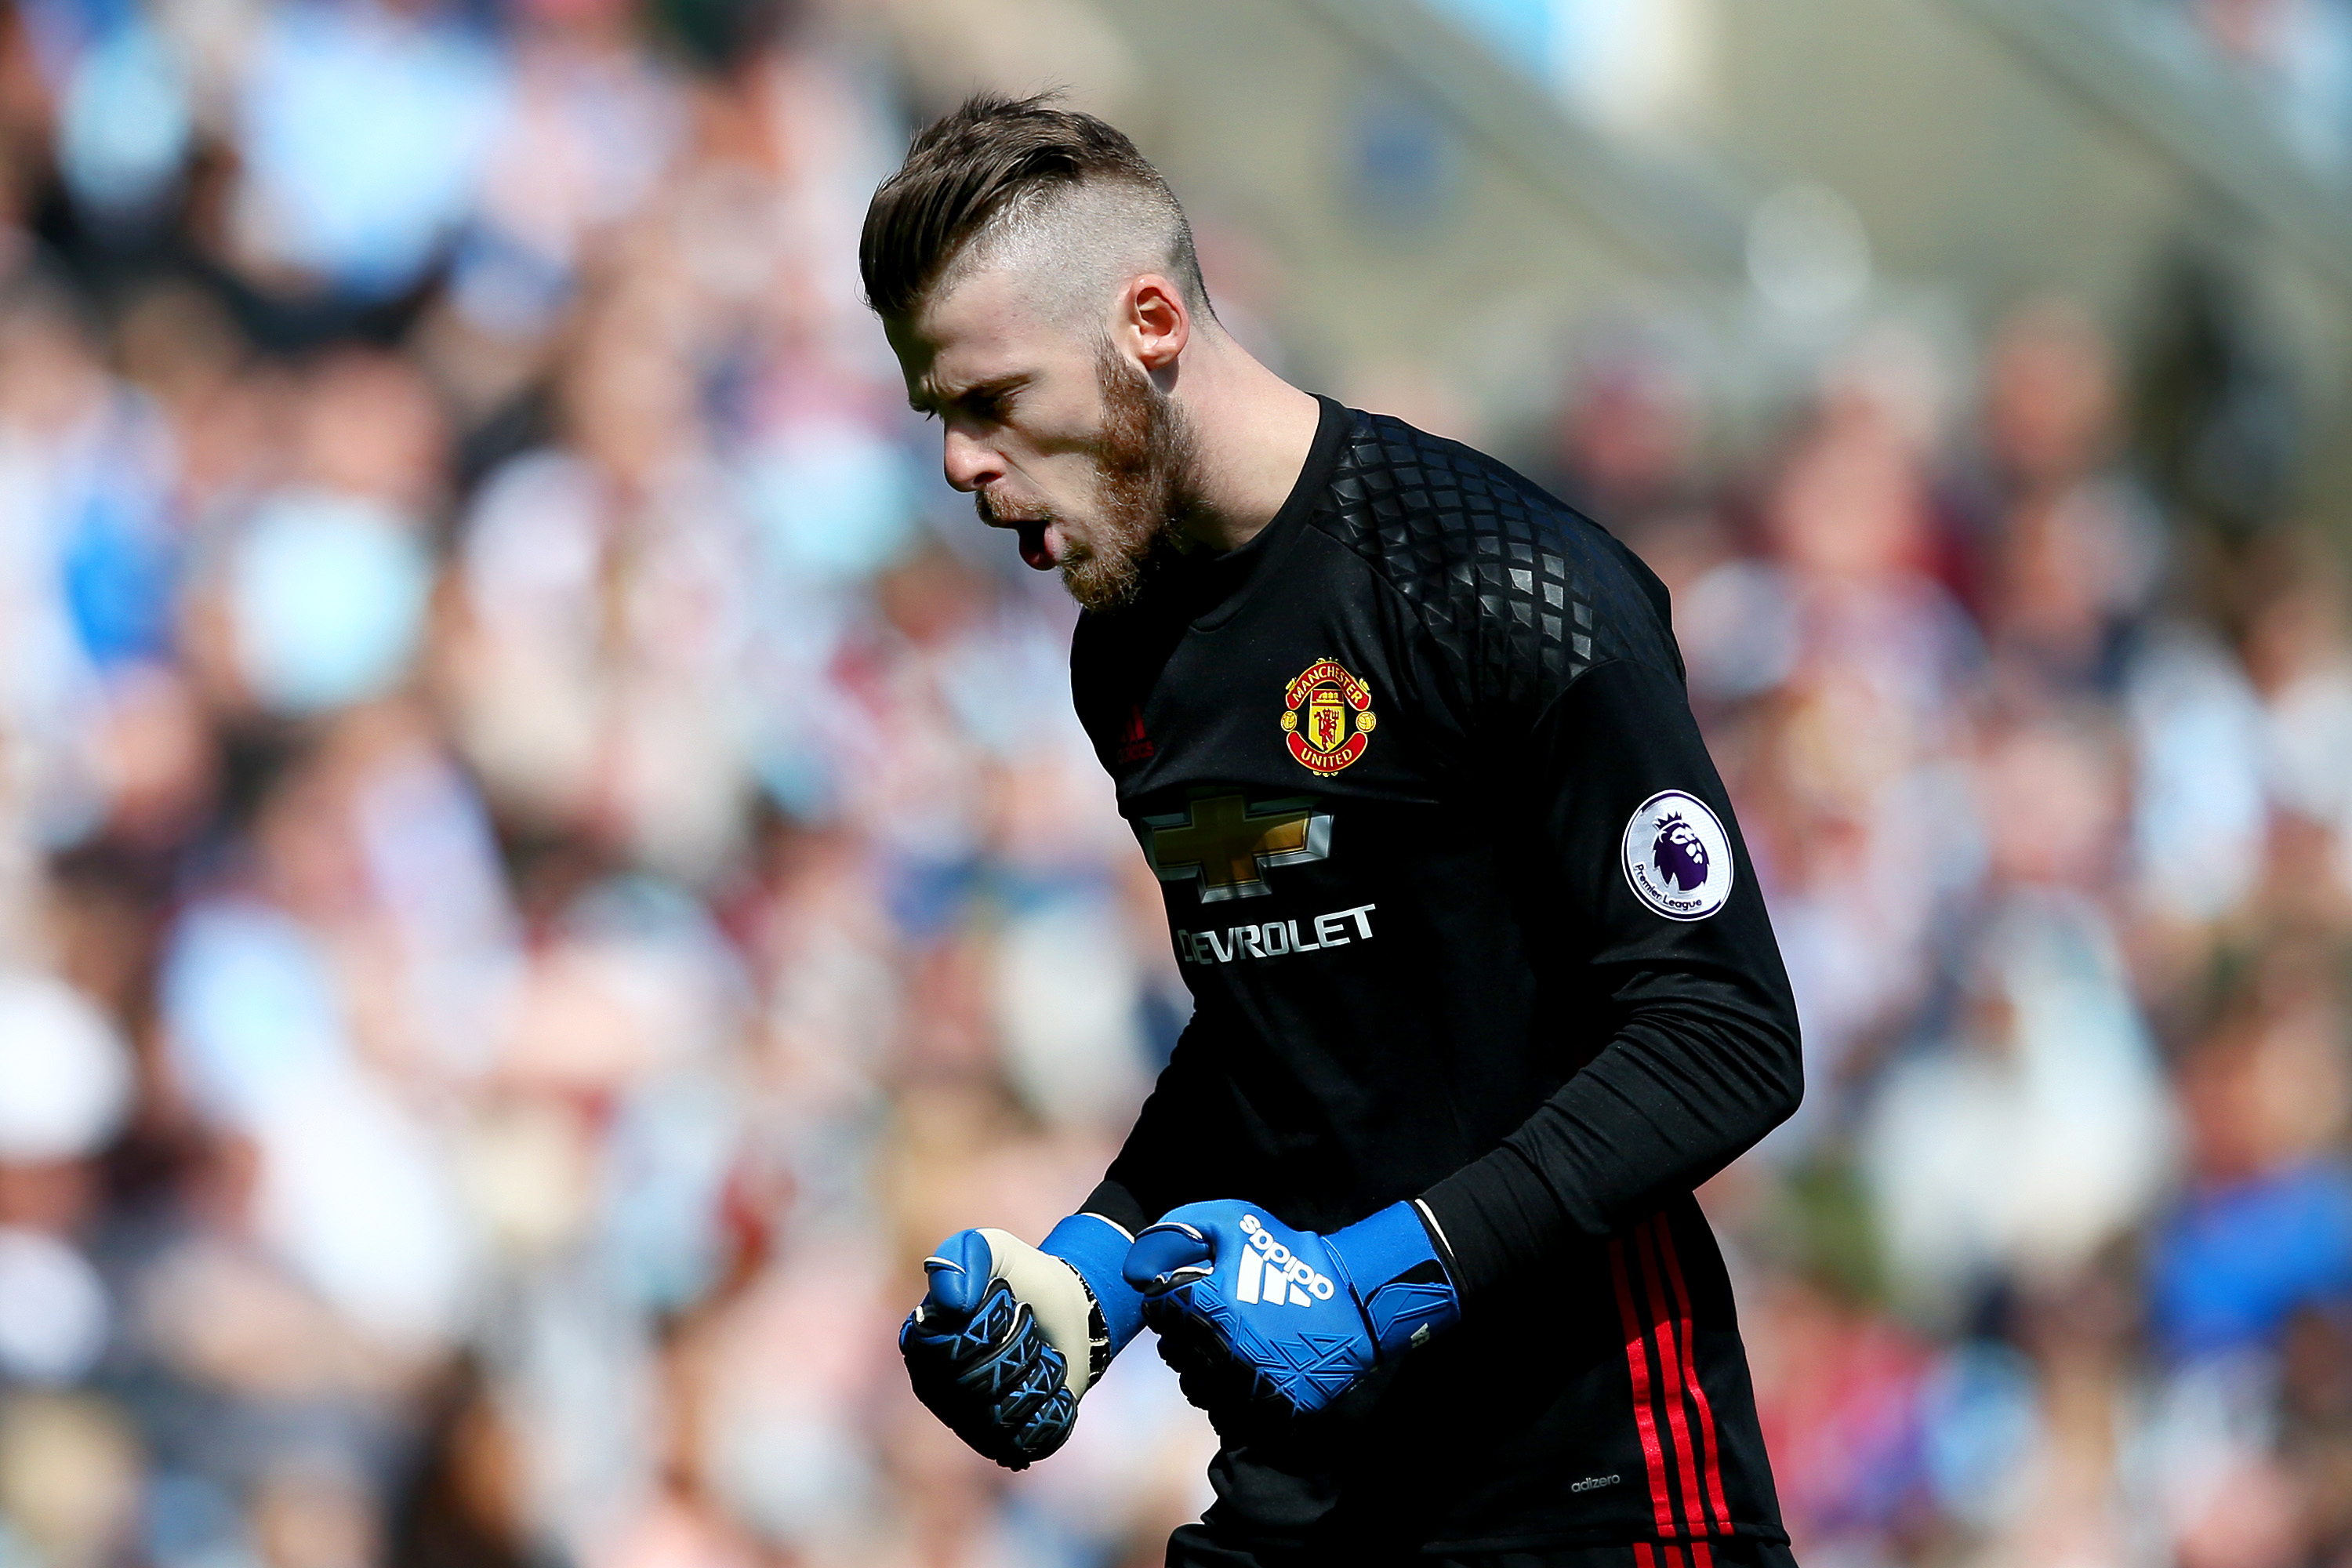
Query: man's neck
(1253, 431)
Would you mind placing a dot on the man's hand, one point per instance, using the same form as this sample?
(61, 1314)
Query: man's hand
(1306, 1315)
(1009, 1336)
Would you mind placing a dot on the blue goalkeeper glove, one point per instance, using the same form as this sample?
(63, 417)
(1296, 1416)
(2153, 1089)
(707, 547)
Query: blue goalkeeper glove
(1009, 1336)
(1305, 1315)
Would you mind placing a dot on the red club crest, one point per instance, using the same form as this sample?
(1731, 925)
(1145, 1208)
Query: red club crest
(1327, 718)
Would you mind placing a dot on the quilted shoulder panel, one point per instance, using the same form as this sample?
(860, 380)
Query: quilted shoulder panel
(1520, 593)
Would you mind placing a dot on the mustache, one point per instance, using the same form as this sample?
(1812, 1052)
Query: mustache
(997, 517)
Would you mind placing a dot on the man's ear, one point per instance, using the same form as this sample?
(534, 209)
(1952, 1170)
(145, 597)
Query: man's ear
(1154, 322)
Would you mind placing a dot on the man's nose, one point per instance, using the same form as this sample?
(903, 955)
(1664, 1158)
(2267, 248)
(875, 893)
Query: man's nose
(968, 463)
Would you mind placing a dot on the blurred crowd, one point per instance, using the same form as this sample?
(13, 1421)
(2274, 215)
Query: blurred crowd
(544, 861)
(2045, 753)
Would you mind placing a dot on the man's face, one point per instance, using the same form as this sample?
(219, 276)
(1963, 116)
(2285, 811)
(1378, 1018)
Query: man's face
(1051, 430)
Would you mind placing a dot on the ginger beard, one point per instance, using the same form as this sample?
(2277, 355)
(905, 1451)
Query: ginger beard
(1145, 464)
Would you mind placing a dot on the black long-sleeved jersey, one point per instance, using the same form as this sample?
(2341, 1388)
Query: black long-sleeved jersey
(1465, 916)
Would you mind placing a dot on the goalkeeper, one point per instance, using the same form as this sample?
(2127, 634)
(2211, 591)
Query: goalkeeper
(1482, 983)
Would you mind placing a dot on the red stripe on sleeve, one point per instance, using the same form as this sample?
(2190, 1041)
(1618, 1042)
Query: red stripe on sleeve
(1670, 1376)
(1637, 1366)
(1710, 1449)
(1643, 1557)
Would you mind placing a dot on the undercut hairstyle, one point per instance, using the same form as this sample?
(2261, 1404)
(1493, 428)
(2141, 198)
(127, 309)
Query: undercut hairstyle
(1001, 179)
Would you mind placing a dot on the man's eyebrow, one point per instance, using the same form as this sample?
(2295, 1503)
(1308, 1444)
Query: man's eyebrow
(930, 399)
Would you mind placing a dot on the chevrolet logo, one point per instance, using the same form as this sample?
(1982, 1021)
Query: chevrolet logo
(1226, 845)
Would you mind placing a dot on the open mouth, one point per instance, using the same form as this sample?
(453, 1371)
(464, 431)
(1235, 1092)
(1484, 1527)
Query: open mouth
(1038, 541)
(1036, 548)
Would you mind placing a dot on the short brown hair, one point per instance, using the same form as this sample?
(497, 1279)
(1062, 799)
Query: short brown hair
(969, 165)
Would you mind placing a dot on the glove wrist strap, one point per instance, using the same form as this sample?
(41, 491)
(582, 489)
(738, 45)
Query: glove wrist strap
(1399, 1280)
(1094, 1247)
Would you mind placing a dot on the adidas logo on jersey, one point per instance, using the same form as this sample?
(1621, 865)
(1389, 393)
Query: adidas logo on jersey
(1271, 1273)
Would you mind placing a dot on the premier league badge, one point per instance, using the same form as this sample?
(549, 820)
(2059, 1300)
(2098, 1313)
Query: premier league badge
(1677, 859)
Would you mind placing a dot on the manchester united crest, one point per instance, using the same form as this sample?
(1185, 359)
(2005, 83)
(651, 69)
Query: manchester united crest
(1327, 718)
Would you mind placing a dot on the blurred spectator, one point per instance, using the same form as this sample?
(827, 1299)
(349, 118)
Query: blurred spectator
(363, 130)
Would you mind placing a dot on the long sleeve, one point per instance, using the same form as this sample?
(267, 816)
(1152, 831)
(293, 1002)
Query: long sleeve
(1702, 1060)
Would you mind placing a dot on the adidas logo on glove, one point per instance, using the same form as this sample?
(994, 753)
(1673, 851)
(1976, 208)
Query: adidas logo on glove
(1366, 1294)
(1268, 1273)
